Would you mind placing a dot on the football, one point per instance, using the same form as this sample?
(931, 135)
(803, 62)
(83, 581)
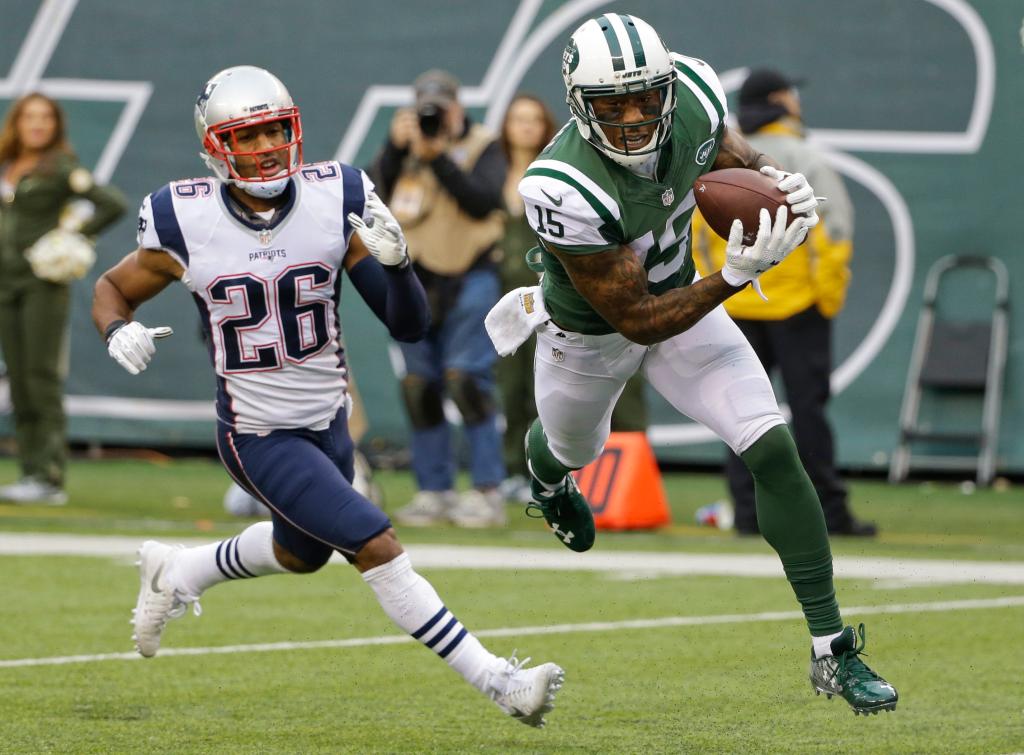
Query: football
(730, 193)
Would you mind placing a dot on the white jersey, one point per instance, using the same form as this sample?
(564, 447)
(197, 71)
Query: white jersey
(267, 291)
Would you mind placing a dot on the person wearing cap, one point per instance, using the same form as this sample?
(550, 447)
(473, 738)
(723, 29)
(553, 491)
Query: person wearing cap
(442, 176)
(792, 331)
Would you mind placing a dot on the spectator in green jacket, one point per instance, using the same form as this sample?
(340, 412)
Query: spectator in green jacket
(528, 126)
(39, 177)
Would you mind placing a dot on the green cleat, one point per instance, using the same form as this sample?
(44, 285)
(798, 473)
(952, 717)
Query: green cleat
(567, 513)
(843, 673)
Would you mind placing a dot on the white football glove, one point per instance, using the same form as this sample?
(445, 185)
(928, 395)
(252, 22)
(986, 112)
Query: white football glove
(773, 244)
(132, 345)
(799, 194)
(382, 235)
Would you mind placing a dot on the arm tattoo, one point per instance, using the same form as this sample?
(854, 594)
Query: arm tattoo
(615, 284)
(736, 152)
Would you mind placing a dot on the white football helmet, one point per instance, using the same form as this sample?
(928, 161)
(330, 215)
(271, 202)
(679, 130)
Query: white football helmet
(618, 54)
(237, 98)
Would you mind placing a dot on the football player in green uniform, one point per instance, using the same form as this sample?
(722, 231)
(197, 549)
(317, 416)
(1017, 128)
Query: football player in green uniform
(610, 200)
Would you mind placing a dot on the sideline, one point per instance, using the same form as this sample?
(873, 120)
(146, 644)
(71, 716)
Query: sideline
(887, 572)
(596, 626)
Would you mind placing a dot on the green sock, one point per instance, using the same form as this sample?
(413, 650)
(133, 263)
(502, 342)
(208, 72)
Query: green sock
(542, 463)
(790, 518)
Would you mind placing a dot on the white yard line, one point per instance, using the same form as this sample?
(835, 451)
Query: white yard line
(891, 572)
(594, 626)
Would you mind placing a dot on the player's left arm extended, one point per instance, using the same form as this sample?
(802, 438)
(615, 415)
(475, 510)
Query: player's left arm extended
(615, 284)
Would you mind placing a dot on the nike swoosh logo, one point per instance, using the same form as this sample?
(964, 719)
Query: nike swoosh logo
(556, 202)
(155, 584)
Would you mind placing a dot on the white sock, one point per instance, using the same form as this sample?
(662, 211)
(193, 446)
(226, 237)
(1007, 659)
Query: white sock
(548, 486)
(823, 645)
(413, 604)
(249, 554)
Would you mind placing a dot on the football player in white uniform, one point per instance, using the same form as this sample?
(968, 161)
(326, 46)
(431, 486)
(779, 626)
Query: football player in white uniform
(261, 248)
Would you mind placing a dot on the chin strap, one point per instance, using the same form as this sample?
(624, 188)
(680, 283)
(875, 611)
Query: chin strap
(261, 189)
(630, 162)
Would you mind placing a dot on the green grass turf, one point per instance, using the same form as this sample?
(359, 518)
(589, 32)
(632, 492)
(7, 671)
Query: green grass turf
(183, 498)
(728, 688)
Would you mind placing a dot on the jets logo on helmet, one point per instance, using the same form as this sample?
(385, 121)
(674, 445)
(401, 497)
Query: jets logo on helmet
(241, 98)
(617, 54)
(570, 58)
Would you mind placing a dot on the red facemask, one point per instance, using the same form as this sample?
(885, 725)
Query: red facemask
(220, 142)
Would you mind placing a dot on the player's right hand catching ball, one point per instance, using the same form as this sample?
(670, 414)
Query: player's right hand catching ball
(133, 345)
(773, 244)
(382, 236)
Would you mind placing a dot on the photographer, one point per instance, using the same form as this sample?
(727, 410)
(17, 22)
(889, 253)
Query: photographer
(442, 176)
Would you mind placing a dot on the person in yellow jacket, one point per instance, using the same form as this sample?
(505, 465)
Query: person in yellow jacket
(792, 331)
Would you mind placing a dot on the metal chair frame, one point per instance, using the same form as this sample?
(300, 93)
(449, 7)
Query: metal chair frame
(984, 463)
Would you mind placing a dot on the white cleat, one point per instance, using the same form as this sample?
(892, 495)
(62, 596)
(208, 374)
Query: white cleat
(29, 490)
(478, 508)
(526, 694)
(428, 507)
(157, 603)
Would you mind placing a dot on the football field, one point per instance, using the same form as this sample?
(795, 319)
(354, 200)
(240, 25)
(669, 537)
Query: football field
(687, 640)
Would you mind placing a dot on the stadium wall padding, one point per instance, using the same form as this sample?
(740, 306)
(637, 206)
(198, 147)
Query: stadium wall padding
(921, 103)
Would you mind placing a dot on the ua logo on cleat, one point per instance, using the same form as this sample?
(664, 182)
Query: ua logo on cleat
(565, 536)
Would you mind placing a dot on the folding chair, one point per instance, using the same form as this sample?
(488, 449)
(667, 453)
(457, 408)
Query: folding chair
(955, 362)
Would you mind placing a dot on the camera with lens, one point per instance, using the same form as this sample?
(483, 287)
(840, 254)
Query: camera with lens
(430, 116)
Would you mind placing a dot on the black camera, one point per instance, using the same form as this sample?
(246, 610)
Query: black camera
(430, 116)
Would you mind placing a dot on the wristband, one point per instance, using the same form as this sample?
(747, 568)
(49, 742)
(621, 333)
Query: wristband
(112, 328)
(735, 280)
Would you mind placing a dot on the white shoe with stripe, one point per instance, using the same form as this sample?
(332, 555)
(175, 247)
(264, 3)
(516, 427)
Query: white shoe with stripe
(157, 603)
(526, 694)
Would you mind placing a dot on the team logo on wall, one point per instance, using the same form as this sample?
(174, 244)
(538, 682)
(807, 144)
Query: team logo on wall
(505, 63)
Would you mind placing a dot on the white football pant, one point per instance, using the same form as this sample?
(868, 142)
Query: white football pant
(709, 373)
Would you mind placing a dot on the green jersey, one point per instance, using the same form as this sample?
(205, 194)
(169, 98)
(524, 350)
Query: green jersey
(580, 201)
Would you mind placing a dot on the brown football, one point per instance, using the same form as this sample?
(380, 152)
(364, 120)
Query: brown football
(730, 193)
